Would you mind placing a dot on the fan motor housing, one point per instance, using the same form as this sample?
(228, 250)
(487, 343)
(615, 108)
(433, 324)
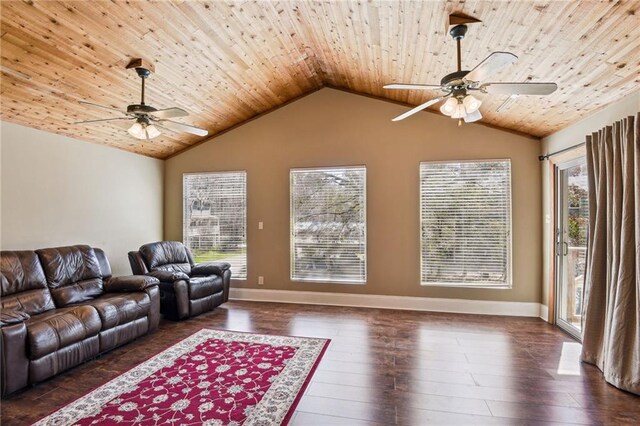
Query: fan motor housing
(454, 79)
(140, 109)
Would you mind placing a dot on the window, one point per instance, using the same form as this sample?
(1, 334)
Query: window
(328, 225)
(215, 218)
(465, 218)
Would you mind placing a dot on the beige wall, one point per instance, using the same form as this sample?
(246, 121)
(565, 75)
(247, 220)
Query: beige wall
(58, 191)
(329, 128)
(565, 138)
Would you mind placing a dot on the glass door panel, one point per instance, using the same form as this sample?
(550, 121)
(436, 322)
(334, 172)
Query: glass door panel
(571, 243)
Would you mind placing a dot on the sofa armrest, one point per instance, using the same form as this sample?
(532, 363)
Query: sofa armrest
(169, 276)
(153, 291)
(14, 368)
(12, 316)
(210, 268)
(129, 283)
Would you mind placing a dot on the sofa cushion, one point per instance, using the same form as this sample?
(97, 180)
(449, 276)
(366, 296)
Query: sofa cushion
(166, 256)
(121, 308)
(59, 328)
(73, 273)
(78, 292)
(200, 287)
(23, 284)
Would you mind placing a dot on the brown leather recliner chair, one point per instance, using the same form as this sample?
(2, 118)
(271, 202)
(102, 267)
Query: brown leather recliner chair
(61, 307)
(187, 289)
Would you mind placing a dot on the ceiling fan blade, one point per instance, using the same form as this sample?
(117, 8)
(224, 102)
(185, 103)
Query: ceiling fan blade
(98, 106)
(419, 108)
(491, 65)
(474, 116)
(104, 120)
(169, 113)
(122, 122)
(519, 88)
(412, 86)
(179, 127)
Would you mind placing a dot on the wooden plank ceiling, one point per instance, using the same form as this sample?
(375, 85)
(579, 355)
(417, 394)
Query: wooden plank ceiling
(226, 62)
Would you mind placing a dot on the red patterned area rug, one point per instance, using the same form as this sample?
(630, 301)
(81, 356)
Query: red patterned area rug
(213, 377)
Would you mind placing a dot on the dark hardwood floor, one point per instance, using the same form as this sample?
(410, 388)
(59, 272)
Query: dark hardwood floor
(391, 367)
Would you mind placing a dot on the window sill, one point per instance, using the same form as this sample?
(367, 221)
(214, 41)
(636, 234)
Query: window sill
(480, 286)
(326, 281)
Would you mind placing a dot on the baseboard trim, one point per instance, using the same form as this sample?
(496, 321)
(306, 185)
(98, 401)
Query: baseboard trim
(544, 312)
(461, 306)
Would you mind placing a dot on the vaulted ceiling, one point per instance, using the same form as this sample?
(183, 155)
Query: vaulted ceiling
(226, 62)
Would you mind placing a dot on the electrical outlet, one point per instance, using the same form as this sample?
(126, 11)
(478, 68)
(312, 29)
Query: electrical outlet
(260, 280)
(260, 225)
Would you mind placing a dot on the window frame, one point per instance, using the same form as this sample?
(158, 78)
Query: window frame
(509, 264)
(291, 226)
(246, 208)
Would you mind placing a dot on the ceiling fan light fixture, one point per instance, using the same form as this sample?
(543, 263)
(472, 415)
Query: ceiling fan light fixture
(459, 111)
(142, 130)
(449, 107)
(152, 131)
(471, 103)
(137, 131)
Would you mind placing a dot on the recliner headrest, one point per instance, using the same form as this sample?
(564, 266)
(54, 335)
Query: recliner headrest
(163, 253)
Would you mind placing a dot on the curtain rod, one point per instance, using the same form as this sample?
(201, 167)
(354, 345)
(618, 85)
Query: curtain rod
(546, 156)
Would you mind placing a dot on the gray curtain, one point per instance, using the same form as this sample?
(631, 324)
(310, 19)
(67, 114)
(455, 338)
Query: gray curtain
(611, 328)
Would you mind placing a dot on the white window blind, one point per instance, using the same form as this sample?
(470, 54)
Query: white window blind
(466, 223)
(215, 218)
(328, 225)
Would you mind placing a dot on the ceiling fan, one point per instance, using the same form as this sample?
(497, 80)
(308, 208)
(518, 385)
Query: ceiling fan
(147, 120)
(460, 103)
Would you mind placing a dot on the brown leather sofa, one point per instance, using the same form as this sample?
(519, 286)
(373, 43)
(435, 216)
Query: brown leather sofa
(187, 289)
(61, 307)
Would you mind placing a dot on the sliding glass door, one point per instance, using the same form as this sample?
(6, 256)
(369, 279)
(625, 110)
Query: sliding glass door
(571, 243)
